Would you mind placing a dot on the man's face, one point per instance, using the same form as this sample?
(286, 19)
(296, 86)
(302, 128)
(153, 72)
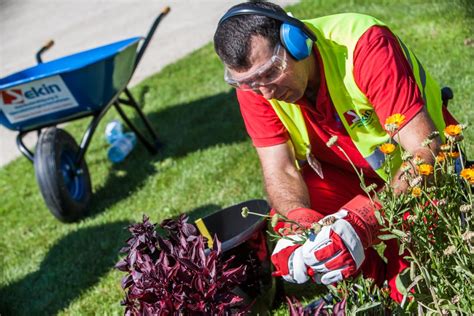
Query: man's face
(288, 81)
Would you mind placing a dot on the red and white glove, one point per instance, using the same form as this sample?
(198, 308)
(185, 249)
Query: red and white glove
(338, 250)
(287, 257)
(305, 217)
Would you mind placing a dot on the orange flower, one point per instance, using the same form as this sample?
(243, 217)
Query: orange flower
(454, 154)
(441, 157)
(387, 148)
(453, 130)
(416, 191)
(396, 119)
(468, 174)
(425, 169)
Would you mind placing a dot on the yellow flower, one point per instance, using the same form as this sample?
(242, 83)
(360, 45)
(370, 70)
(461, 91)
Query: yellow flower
(396, 119)
(416, 191)
(425, 169)
(453, 130)
(387, 148)
(468, 174)
(454, 154)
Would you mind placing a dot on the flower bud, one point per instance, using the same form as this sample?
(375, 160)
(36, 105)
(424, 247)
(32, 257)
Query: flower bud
(406, 156)
(370, 187)
(468, 236)
(416, 181)
(275, 219)
(465, 208)
(427, 142)
(327, 221)
(449, 250)
(316, 228)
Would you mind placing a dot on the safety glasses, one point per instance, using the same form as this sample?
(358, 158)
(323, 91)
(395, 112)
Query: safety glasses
(265, 75)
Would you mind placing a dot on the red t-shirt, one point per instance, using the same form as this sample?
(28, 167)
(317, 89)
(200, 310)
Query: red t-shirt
(381, 72)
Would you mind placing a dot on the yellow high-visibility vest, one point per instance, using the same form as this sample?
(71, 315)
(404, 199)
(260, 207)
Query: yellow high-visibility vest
(337, 36)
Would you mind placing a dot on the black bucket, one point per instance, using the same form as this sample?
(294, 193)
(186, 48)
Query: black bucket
(245, 239)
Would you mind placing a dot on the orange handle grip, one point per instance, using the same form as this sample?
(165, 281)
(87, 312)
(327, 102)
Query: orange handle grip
(49, 44)
(166, 10)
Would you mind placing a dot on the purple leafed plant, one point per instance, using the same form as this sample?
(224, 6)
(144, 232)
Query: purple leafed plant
(173, 274)
(295, 308)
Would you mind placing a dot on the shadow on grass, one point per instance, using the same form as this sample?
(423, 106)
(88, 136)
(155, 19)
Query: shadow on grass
(74, 264)
(182, 129)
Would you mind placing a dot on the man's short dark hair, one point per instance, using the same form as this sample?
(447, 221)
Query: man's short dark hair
(232, 37)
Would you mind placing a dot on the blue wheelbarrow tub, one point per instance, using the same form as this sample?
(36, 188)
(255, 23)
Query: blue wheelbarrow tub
(68, 87)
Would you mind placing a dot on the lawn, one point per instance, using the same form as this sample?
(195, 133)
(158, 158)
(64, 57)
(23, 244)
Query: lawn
(208, 163)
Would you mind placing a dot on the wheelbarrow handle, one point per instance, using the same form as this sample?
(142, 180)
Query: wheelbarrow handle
(44, 48)
(152, 30)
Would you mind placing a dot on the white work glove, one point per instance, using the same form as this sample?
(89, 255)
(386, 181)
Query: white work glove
(287, 257)
(337, 251)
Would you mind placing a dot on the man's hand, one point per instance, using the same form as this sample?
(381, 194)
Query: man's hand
(337, 251)
(287, 257)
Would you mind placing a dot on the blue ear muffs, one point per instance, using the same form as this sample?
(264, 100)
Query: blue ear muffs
(296, 42)
(295, 36)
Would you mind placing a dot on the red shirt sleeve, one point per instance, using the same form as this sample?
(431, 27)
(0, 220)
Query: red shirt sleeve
(262, 123)
(384, 75)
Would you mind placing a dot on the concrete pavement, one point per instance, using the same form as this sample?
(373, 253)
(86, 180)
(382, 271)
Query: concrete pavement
(77, 25)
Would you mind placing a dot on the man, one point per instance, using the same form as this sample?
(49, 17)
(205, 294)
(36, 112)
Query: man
(300, 84)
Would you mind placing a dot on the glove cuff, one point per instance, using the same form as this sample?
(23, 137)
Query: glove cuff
(305, 217)
(363, 219)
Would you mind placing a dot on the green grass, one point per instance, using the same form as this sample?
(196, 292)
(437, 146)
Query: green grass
(208, 163)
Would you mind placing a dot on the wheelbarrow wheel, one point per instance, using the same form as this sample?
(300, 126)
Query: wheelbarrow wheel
(66, 188)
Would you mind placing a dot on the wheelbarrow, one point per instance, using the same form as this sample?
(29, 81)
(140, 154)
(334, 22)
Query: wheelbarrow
(84, 84)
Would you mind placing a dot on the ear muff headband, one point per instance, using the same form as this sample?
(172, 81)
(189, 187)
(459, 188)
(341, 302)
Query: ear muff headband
(293, 32)
(271, 14)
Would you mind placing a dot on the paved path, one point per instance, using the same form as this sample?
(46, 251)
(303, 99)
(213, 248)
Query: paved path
(77, 25)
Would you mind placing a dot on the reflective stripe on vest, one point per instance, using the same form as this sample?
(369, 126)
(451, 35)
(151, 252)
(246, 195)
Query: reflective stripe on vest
(337, 38)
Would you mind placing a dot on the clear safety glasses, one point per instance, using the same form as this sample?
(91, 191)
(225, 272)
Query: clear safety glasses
(265, 75)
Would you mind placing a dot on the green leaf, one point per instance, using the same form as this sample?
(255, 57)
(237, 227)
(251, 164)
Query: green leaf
(379, 217)
(462, 269)
(368, 306)
(412, 270)
(387, 237)
(401, 250)
(399, 233)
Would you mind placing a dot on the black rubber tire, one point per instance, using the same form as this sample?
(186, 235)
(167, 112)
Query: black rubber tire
(54, 170)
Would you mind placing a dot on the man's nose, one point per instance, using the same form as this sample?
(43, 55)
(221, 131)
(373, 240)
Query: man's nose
(267, 91)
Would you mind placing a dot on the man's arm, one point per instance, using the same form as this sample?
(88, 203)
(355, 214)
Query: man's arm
(410, 137)
(284, 184)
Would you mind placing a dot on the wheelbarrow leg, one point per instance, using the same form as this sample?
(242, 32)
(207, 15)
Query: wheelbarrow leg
(130, 101)
(149, 146)
(86, 139)
(141, 114)
(22, 147)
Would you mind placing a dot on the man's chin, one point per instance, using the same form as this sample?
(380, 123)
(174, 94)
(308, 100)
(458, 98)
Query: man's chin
(292, 100)
(289, 98)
